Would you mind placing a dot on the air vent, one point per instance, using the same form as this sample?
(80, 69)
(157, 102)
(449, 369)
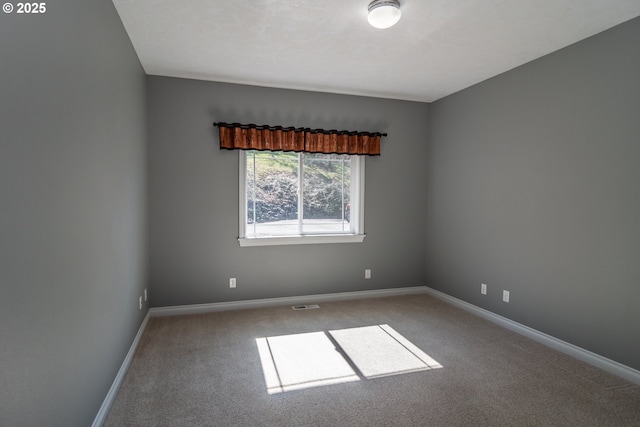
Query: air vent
(305, 307)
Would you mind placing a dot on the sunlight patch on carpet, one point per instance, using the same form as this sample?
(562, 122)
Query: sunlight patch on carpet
(379, 351)
(298, 361)
(292, 362)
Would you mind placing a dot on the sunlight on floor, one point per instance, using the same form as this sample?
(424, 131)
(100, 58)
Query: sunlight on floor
(293, 362)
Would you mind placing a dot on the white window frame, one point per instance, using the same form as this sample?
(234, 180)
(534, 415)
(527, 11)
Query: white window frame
(357, 211)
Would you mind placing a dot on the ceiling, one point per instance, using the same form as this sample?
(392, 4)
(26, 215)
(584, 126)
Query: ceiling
(439, 46)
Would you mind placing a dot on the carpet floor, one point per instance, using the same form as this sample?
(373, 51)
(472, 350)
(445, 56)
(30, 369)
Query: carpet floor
(206, 370)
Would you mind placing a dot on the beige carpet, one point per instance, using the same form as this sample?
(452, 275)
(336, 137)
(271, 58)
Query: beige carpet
(207, 370)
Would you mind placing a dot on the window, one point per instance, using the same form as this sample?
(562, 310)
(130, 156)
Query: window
(292, 198)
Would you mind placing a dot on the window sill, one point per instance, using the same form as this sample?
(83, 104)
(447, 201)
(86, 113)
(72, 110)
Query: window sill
(302, 240)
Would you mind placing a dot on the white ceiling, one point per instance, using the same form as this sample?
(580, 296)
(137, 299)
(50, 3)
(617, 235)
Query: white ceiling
(439, 46)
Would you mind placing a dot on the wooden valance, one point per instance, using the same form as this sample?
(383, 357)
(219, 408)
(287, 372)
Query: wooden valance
(235, 136)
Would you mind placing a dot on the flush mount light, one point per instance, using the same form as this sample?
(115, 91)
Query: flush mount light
(384, 13)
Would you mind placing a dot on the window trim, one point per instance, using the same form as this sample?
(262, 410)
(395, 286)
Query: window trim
(357, 236)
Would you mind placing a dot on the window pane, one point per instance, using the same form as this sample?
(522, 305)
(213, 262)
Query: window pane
(326, 191)
(272, 194)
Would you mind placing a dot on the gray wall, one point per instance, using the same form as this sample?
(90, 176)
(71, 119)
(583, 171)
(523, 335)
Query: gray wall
(193, 196)
(533, 186)
(72, 221)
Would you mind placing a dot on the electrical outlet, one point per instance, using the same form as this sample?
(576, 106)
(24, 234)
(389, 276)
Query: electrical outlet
(505, 296)
(367, 274)
(145, 294)
(140, 303)
(232, 282)
(483, 289)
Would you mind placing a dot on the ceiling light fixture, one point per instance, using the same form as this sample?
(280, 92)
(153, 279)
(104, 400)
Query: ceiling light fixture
(384, 13)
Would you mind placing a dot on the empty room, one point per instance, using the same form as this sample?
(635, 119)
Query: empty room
(358, 213)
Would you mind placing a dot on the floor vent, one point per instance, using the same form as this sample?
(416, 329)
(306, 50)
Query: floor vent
(305, 307)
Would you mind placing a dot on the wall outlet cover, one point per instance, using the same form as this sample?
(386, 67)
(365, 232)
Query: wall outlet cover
(505, 296)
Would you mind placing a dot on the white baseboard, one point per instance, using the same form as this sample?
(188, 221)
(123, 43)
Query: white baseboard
(579, 353)
(274, 302)
(117, 382)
